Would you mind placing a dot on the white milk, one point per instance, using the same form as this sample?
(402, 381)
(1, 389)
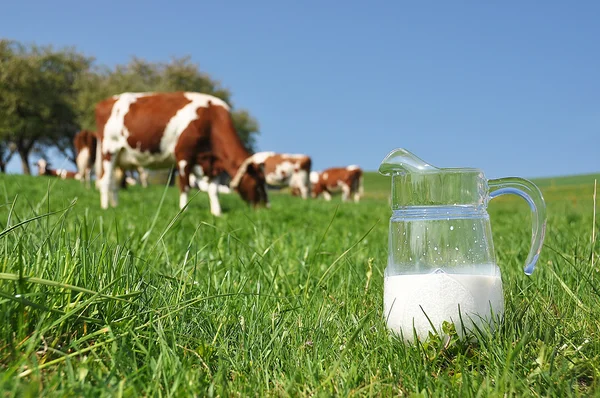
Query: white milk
(440, 294)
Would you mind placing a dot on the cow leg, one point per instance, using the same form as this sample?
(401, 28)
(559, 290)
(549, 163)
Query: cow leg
(114, 191)
(184, 181)
(213, 196)
(87, 176)
(82, 159)
(356, 190)
(197, 173)
(345, 192)
(107, 182)
(302, 182)
(303, 191)
(143, 176)
(316, 190)
(193, 181)
(222, 185)
(326, 195)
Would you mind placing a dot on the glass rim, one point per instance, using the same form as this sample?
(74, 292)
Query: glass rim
(446, 170)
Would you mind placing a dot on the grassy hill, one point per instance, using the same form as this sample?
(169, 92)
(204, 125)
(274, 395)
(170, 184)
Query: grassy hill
(146, 300)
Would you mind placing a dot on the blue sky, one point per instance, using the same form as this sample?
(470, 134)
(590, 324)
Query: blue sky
(510, 87)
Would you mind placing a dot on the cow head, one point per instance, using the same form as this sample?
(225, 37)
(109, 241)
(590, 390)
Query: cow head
(251, 184)
(249, 180)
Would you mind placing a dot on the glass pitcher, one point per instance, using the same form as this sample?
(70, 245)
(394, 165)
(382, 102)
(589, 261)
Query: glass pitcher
(441, 264)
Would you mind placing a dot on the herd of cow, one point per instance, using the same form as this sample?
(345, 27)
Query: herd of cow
(193, 133)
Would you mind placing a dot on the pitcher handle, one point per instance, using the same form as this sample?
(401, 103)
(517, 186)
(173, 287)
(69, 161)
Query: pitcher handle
(532, 194)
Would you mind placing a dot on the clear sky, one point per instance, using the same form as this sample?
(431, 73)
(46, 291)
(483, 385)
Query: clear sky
(510, 87)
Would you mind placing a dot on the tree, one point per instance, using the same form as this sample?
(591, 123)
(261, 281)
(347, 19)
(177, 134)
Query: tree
(7, 150)
(38, 93)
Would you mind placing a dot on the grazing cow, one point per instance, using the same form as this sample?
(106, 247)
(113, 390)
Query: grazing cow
(85, 147)
(347, 179)
(191, 131)
(287, 170)
(45, 170)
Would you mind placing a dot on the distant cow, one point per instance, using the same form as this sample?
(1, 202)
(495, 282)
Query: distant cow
(191, 131)
(85, 147)
(345, 179)
(45, 170)
(287, 170)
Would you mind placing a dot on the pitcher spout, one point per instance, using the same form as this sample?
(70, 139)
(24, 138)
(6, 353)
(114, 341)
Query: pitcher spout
(402, 161)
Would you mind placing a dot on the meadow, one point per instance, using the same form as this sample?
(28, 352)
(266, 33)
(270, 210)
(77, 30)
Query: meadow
(145, 300)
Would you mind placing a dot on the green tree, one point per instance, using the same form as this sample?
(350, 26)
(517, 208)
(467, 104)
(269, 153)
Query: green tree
(38, 93)
(7, 150)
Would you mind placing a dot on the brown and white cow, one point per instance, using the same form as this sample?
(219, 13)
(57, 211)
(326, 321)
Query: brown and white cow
(287, 170)
(335, 179)
(45, 170)
(191, 131)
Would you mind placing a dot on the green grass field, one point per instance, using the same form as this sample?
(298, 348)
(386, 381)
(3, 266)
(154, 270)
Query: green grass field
(144, 301)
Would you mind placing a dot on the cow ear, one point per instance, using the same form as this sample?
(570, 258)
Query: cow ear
(255, 168)
(251, 168)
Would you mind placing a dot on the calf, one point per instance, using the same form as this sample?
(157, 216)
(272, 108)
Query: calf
(45, 170)
(182, 129)
(287, 170)
(347, 179)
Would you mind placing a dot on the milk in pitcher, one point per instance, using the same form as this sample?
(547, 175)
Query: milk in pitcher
(410, 299)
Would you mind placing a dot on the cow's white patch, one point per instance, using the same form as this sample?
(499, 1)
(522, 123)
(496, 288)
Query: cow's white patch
(293, 155)
(261, 157)
(182, 165)
(352, 167)
(115, 133)
(327, 196)
(325, 175)
(314, 177)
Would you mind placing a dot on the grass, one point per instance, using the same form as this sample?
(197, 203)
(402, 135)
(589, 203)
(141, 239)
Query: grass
(145, 300)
